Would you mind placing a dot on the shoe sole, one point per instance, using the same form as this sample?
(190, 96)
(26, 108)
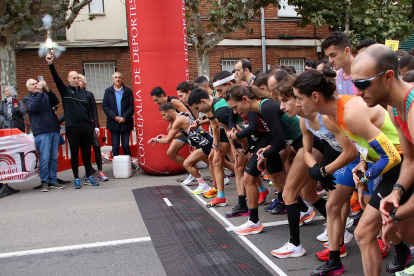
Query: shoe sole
(91, 184)
(44, 190)
(322, 240)
(291, 255)
(307, 219)
(78, 187)
(217, 205)
(237, 215)
(54, 187)
(336, 272)
(209, 196)
(249, 233)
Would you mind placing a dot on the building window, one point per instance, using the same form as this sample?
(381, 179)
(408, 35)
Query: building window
(286, 10)
(298, 63)
(97, 6)
(99, 77)
(228, 64)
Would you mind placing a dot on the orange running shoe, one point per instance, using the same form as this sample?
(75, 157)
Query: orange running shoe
(266, 177)
(220, 202)
(211, 193)
(324, 254)
(355, 204)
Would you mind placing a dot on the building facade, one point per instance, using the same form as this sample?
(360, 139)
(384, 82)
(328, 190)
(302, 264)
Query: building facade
(99, 47)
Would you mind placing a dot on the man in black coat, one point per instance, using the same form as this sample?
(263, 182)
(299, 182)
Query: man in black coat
(118, 105)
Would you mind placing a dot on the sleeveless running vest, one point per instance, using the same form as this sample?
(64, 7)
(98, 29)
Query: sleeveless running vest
(408, 101)
(290, 126)
(324, 134)
(196, 137)
(366, 151)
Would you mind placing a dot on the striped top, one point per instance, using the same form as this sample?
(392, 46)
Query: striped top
(408, 101)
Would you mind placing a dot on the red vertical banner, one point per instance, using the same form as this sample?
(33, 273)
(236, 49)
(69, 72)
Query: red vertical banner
(159, 57)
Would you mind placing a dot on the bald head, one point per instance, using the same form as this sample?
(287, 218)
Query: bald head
(379, 57)
(73, 78)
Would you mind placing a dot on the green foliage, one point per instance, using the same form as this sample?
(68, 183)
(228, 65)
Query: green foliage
(378, 19)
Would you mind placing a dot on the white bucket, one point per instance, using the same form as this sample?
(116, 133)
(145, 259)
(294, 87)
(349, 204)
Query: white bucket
(121, 166)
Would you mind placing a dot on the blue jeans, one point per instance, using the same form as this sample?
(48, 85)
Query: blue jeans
(124, 140)
(48, 146)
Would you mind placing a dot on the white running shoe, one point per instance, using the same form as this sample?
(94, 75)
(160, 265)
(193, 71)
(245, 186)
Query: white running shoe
(248, 228)
(226, 181)
(349, 222)
(201, 165)
(188, 180)
(306, 217)
(289, 250)
(347, 238)
(201, 189)
(324, 236)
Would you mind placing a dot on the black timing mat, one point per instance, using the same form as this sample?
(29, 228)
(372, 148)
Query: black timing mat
(188, 240)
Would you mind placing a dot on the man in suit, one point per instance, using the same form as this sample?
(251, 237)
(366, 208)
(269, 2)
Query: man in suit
(118, 105)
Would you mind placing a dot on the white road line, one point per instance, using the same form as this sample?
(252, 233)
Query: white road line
(167, 201)
(72, 247)
(243, 238)
(277, 223)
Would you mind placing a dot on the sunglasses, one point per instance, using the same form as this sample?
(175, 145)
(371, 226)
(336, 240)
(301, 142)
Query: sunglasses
(364, 84)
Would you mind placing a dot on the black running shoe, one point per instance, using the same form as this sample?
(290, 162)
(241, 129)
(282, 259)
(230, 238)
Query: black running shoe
(280, 209)
(238, 211)
(329, 268)
(400, 261)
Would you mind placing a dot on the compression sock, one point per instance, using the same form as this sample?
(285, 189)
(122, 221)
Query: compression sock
(254, 215)
(200, 180)
(334, 256)
(280, 196)
(220, 195)
(293, 214)
(401, 247)
(320, 205)
(303, 207)
(262, 189)
(242, 201)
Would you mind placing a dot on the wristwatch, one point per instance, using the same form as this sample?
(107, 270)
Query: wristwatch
(363, 180)
(399, 187)
(216, 145)
(392, 214)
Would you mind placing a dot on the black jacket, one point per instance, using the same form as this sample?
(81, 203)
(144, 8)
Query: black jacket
(110, 108)
(94, 110)
(75, 103)
(42, 116)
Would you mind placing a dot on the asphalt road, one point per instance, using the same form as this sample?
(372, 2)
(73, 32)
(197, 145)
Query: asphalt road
(32, 220)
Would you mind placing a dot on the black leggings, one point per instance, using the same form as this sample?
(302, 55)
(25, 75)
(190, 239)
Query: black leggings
(97, 149)
(80, 137)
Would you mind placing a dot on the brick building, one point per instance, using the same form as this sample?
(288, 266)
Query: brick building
(89, 51)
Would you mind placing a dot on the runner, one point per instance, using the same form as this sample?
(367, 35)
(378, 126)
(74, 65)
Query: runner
(398, 95)
(339, 51)
(202, 141)
(244, 71)
(216, 109)
(159, 97)
(296, 181)
(377, 142)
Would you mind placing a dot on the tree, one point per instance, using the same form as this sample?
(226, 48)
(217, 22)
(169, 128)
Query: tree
(18, 21)
(360, 19)
(223, 18)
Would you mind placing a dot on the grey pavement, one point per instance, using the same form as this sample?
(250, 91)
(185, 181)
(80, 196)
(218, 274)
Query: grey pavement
(35, 220)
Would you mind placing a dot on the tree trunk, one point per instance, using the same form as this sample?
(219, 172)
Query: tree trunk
(8, 66)
(203, 64)
(347, 22)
